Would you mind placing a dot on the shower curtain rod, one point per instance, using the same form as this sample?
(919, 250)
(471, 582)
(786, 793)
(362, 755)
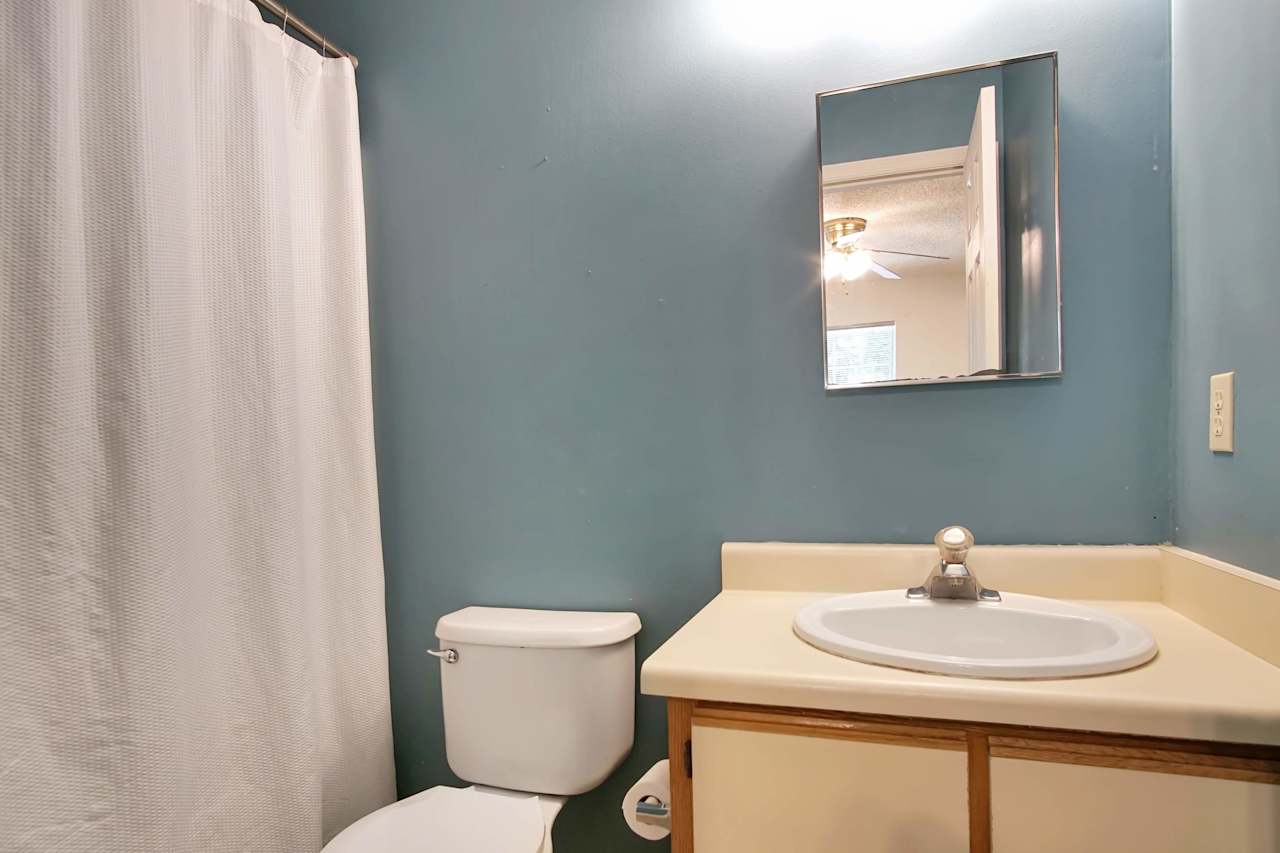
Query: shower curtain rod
(288, 19)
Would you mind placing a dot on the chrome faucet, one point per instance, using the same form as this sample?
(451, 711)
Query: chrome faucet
(951, 577)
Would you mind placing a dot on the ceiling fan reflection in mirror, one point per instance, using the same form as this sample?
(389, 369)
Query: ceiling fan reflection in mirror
(845, 259)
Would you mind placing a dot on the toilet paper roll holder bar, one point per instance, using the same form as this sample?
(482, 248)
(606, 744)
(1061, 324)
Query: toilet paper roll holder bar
(651, 806)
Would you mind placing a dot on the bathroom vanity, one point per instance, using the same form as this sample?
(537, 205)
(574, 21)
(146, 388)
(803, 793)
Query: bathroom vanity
(775, 744)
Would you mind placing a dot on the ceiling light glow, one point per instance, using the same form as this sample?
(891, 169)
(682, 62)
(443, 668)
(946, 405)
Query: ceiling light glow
(792, 24)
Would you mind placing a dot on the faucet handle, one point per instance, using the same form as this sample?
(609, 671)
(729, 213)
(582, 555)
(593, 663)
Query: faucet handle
(953, 543)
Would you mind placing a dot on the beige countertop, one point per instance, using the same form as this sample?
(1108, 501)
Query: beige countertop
(741, 648)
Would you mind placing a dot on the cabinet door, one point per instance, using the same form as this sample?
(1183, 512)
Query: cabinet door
(1048, 808)
(761, 791)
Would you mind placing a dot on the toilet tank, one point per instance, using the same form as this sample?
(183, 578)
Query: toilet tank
(538, 700)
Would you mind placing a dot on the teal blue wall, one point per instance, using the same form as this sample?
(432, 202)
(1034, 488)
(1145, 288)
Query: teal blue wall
(592, 369)
(1226, 315)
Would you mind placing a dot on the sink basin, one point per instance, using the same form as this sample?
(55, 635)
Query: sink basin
(1022, 636)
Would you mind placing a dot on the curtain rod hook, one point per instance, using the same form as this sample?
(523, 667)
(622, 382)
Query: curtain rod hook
(324, 46)
(284, 28)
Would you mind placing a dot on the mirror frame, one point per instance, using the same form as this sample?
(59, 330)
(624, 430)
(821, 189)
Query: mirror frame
(1057, 227)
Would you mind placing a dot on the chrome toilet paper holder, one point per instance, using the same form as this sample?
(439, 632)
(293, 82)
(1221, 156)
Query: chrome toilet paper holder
(652, 807)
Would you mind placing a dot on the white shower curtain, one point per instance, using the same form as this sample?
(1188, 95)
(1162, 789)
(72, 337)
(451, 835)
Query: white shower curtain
(192, 634)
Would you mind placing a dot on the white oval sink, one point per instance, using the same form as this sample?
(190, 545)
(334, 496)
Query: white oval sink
(1022, 636)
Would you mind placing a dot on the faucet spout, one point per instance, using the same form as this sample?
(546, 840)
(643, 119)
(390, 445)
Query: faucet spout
(951, 576)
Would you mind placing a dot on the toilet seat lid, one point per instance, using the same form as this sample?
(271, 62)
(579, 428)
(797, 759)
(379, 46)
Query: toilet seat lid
(448, 820)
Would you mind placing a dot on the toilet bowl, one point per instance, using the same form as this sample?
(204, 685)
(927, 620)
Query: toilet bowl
(455, 820)
(539, 705)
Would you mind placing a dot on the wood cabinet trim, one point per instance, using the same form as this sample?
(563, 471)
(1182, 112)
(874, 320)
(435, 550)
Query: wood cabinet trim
(679, 739)
(898, 732)
(1155, 758)
(1084, 741)
(979, 793)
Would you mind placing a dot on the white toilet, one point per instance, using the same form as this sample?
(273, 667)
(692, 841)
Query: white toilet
(538, 705)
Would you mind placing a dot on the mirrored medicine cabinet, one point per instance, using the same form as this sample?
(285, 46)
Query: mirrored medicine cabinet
(939, 227)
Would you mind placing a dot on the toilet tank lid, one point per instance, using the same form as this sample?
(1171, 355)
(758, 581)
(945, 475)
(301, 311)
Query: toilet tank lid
(542, 629)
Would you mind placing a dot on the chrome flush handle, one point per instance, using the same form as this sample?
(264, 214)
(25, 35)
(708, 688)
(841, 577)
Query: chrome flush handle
(446, 655)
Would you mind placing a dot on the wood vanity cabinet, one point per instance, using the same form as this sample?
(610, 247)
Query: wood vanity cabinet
(747, 778)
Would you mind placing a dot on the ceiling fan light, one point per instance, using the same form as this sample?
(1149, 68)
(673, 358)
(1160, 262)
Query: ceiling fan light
(834, 264)
(857, 264)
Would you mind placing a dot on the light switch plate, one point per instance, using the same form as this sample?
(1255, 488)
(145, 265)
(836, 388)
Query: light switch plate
(1222, 412)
